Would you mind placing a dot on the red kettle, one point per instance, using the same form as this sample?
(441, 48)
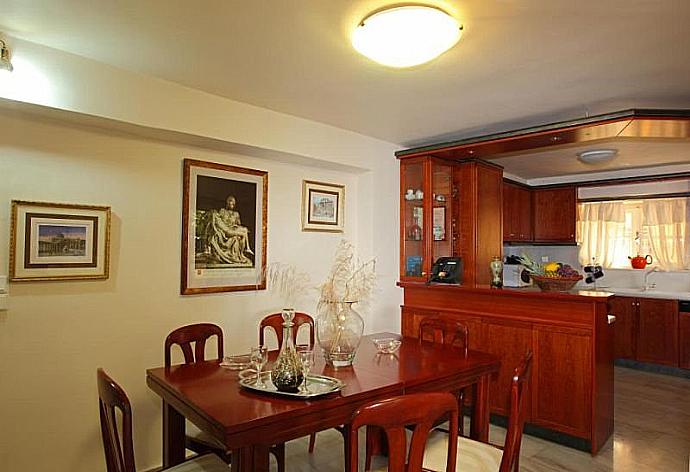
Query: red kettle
(640, 262)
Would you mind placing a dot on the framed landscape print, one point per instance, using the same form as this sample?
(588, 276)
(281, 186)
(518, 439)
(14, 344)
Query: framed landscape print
(323, 206)
(224, 215)
(58, 241)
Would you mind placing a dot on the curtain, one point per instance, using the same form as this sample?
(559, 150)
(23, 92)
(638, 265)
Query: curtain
(666, 222)
(601, 233)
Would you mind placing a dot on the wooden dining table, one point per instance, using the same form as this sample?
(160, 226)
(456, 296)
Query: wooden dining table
(250, 422)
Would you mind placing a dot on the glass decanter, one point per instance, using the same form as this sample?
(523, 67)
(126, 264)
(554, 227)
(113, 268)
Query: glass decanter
(287, 373)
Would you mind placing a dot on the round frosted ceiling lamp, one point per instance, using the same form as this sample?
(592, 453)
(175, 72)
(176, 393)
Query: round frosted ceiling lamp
(406, 36)
(597, 156)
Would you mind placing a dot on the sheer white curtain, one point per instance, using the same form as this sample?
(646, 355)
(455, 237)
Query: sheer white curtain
(601, 233)
(666, 223)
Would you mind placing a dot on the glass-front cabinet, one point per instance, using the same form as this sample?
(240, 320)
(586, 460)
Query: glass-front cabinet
(426, 187)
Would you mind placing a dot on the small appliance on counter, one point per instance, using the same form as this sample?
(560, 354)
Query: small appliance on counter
(515, 274)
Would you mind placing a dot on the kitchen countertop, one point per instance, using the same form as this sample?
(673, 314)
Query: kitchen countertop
(578, 291)
(641, 293)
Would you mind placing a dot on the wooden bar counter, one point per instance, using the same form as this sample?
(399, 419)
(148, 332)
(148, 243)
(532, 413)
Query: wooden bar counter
(572, 338)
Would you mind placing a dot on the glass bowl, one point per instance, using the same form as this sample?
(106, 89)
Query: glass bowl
(236, 362)
(387, 345)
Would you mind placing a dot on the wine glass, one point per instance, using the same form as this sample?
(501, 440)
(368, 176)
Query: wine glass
(259, 357)
(305, 353)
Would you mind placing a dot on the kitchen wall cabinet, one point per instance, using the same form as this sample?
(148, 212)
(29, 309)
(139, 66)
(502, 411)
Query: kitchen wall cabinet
(625, 311)
(657, 334)
(647, 329)
(517, 213)
(555, 214)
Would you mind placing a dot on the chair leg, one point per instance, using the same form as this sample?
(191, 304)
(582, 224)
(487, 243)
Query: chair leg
(461, 416)
(312, 442)
(369, 449)
(278, 452)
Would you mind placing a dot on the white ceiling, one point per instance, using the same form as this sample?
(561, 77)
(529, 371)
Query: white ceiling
(518, 63)
(632, 154)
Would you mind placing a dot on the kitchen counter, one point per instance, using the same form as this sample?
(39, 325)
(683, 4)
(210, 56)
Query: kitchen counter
(569, 333)
(642, 293)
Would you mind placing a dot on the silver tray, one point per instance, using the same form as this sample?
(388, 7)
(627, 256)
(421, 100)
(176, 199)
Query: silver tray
(318, 385)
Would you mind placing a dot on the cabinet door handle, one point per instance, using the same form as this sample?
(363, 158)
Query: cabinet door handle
(633, 303)
(610, 319)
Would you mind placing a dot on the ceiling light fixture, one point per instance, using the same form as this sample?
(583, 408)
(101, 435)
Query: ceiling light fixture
(406, 36)
(597, 156)
(5, 63)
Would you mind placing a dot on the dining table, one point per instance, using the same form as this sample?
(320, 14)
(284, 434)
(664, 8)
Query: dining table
(250, 422)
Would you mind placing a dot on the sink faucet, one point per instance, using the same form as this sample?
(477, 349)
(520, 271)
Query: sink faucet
(647, 285)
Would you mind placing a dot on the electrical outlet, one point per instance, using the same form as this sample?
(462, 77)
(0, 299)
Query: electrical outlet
(545, 258)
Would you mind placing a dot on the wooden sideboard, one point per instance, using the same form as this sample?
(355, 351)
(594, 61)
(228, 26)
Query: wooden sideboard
(571, 389)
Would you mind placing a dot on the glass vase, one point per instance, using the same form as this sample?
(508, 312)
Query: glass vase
(496, 266)
(339, 331)
(287, 373)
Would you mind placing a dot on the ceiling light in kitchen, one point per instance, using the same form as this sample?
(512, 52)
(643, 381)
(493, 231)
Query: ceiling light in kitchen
(597, 156)
(406, 36)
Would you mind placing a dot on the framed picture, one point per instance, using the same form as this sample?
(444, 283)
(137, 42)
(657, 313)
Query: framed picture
(59, 241)
(323, 206)
(224, 215)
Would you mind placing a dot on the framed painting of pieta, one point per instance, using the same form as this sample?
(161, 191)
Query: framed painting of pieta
(224, 215)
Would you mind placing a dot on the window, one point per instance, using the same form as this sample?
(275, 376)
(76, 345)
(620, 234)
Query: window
(610, 231)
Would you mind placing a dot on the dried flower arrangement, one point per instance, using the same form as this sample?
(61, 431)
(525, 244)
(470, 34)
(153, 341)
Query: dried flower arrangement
(350, 279)
(289, 282)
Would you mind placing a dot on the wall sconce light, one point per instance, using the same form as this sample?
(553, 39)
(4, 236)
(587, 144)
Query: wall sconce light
(5, 62)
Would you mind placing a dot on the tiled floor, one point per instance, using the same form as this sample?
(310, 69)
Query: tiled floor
(652, 433)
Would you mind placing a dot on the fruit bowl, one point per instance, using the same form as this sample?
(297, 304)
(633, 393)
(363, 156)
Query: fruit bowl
(555, 284)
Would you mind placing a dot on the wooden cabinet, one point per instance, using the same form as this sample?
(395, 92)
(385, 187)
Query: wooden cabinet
(646, 329)
(426, 210)
(684, 340)
(555, 214)
(517, 213)
(625, 311)
(449, 209)
(571, 389)
(477, 232)
(657, 335)
(561, 400)
(509, 341)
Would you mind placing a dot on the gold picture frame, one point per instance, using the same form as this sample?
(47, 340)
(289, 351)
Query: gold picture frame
(323, 207)
(59, 241)
(224, 228)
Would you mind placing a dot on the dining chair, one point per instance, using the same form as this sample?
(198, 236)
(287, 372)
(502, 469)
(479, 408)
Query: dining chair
(198, 334)
(117, 438)
(274, 322)
(483, 457)
(394, 416)
(448, 331)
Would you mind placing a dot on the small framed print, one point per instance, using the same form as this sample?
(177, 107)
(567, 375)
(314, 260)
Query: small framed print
(323, 206)
(224, 221)
(439, 223)
(59, 241)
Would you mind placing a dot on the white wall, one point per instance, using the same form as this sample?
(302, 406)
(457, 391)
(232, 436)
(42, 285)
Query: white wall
(56, 334)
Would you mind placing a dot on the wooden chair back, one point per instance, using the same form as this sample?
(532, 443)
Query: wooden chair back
(444, 330)
(419, 410)
(118, 445)
(516, 418)
(197, 334)
(275, 321)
